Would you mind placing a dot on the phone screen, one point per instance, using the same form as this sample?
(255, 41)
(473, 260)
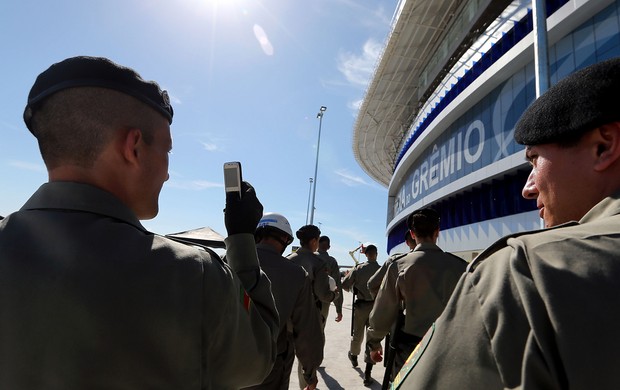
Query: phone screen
(232, 177)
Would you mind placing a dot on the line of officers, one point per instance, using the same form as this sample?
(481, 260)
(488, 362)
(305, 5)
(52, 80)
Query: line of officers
(411, 290)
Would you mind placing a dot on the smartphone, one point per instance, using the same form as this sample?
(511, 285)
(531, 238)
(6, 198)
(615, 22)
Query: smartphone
(232, 177)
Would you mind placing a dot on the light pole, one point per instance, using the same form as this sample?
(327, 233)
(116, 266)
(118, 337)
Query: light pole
(316, 166)
(308, 208)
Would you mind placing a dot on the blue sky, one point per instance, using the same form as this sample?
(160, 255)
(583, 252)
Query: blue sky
(246, 79)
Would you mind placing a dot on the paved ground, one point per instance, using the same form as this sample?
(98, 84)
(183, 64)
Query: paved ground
(336, 372)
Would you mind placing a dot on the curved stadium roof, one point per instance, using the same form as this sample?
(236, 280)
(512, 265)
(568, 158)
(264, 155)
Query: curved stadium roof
(426, 40)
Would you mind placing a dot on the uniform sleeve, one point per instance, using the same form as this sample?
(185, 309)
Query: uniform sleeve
(374, 283)
(307, 332)
(457, 352)
(335, 274)
(385, 309)
(321, 285)
(349, 279)
(240, 318)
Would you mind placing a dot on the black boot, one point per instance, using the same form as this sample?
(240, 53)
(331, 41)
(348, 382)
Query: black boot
(367, 378)
(353, 359)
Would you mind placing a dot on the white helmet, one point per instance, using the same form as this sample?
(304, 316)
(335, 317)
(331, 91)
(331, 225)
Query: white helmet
(277, 222)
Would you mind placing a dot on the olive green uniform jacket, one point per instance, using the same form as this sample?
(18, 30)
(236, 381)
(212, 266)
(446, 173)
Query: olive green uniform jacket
(421, 283)
(300, 328)
(89, 299)
(537, 310)
(333, 270)
(317, 272)
(374, 283)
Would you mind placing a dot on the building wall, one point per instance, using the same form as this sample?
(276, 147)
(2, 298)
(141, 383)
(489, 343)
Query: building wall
(469, 168)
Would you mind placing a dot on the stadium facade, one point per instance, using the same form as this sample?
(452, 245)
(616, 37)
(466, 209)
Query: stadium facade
(437, 121)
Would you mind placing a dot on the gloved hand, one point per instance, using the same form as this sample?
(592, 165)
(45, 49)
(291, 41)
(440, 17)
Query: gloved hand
(242, 215)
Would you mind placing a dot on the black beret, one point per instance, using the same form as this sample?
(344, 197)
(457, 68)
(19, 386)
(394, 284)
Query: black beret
(96, 72)
(582, 101)
(308, 232)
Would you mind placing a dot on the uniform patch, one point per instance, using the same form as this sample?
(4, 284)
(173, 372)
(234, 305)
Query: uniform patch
(245, 299)
(413, 359)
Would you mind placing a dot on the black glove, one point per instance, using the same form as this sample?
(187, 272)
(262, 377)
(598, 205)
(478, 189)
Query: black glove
(242, 215)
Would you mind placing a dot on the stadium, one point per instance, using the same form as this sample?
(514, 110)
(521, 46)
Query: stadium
(437, 120)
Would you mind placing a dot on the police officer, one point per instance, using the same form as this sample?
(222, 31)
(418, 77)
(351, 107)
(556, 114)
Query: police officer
(357, 280)
(540, 309)
(334, 272)
(375, 281)
(420, 283)
(292, 292)
(89, 297)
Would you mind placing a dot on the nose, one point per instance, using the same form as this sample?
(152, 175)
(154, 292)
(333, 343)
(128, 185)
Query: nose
(529, 190)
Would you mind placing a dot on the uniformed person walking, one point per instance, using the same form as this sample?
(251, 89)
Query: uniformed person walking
(292, 292)
(375, 280)
(357, 280)
(540, 309)
(333, 271)
(420, 284)
(91, 299)
(306, 257)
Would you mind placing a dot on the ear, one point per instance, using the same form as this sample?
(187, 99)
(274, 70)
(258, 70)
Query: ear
(131, 142)
(607, 138)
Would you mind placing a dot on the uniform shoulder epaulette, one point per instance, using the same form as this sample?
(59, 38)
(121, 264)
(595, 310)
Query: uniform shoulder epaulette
(210, 251)
(502, 243)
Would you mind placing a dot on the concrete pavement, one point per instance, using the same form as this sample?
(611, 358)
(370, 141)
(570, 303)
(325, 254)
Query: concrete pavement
(336, 372)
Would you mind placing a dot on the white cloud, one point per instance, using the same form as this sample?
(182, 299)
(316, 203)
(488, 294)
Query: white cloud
(349, 179)
(359, 69)
(209, 147)
(27, 166)
(194, 185)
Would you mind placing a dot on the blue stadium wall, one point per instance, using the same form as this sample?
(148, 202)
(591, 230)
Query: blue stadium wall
(462, 159)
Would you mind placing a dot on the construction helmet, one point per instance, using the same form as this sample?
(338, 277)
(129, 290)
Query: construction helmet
(275, 222)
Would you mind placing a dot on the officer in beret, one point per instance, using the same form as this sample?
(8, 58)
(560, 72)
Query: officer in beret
(316, 268)
(88, 297)
(539, 310)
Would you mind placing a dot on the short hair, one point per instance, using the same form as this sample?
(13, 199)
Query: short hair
(408, 237)
(424, 222)
(370, 248)
(74, 125)
(307, 233)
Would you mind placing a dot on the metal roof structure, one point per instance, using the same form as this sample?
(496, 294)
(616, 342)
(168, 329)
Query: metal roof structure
(426, 40)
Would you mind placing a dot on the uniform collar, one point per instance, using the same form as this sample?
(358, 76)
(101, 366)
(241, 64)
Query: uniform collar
(427, 246)
(605, 208)
(73, 196)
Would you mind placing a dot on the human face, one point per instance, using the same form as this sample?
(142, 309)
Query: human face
(558, 182)
(154, 162)
(313, 244)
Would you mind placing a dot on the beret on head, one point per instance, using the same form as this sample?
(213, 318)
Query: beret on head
(95, 72)
(308, 232)
(581, 102)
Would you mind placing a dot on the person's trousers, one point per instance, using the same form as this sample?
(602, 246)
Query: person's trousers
(405, 344)
(360, 323)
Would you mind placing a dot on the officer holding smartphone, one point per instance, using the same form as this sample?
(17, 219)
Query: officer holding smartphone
(89, 297)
